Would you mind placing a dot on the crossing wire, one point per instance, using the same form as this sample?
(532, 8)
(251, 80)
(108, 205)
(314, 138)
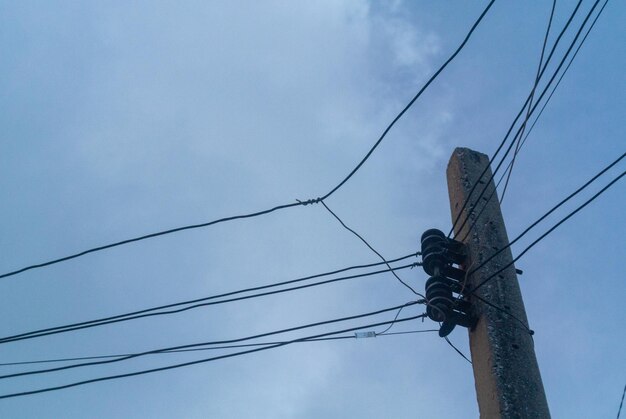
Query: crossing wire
(469, 230)
(371, 248)
(276, 208)
(519, 114)
(196, 345)
(210, 348)
(544, 235)
(471, 271)
(554, 89)
(508, 150)
(532, 94)
(200, 361)
(547, 214)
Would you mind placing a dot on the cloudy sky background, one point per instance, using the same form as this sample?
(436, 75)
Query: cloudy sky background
(120, 119)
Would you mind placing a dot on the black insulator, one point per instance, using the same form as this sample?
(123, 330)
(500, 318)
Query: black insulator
(433, 237)
(462, 319)
(438, 255)
(433, 232)
(438, 252)
(446, 328)
(454, 273)
(439, 297)
(434, 258)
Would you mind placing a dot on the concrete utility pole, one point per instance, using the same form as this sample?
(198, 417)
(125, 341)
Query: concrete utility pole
(506, 373)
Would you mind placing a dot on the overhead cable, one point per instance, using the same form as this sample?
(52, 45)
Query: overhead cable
(493, 192)
(530, 103)
(558, 83)
(209, 348)
(544, 235)
(200, 302)
(371, 248)
(547, 214)
(276, 208)
(200, 361)
(519, 114)
(508, 150)
(201, 344)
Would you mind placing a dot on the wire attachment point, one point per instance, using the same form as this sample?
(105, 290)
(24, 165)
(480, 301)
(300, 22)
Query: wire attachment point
(439, 254)
(310, 201)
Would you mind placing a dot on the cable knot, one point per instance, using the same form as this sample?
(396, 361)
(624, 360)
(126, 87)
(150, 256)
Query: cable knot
(310, 201)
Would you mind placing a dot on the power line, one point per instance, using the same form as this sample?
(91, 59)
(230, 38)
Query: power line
(532, 94)
(508, 150)
(392, 323)
(621, 402)
(202, 302)
(406, 108)
(554, 227)
(409, 332)
(195, 345)
(457, 350)
(200, 361)
(509, 167)
(506, 136)
(371, 248)
(557, 85)
(543, 217)
(554, 208)
(210, 348)
(276, 208)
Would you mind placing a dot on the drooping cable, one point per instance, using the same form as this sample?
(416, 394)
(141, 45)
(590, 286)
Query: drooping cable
(392, 323)
(276, 208)
(371, 248)
(200, 361)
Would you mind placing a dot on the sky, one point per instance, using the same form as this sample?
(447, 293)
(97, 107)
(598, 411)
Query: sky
(125, 118)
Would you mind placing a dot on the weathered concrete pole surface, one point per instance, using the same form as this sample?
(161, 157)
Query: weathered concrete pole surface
(506, 373)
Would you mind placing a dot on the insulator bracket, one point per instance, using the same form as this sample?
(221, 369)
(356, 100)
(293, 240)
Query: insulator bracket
(445, 301)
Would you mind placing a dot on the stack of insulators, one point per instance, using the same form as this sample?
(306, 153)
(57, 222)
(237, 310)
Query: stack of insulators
(439, 254)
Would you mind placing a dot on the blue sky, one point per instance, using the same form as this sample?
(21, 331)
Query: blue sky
(122, 119)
